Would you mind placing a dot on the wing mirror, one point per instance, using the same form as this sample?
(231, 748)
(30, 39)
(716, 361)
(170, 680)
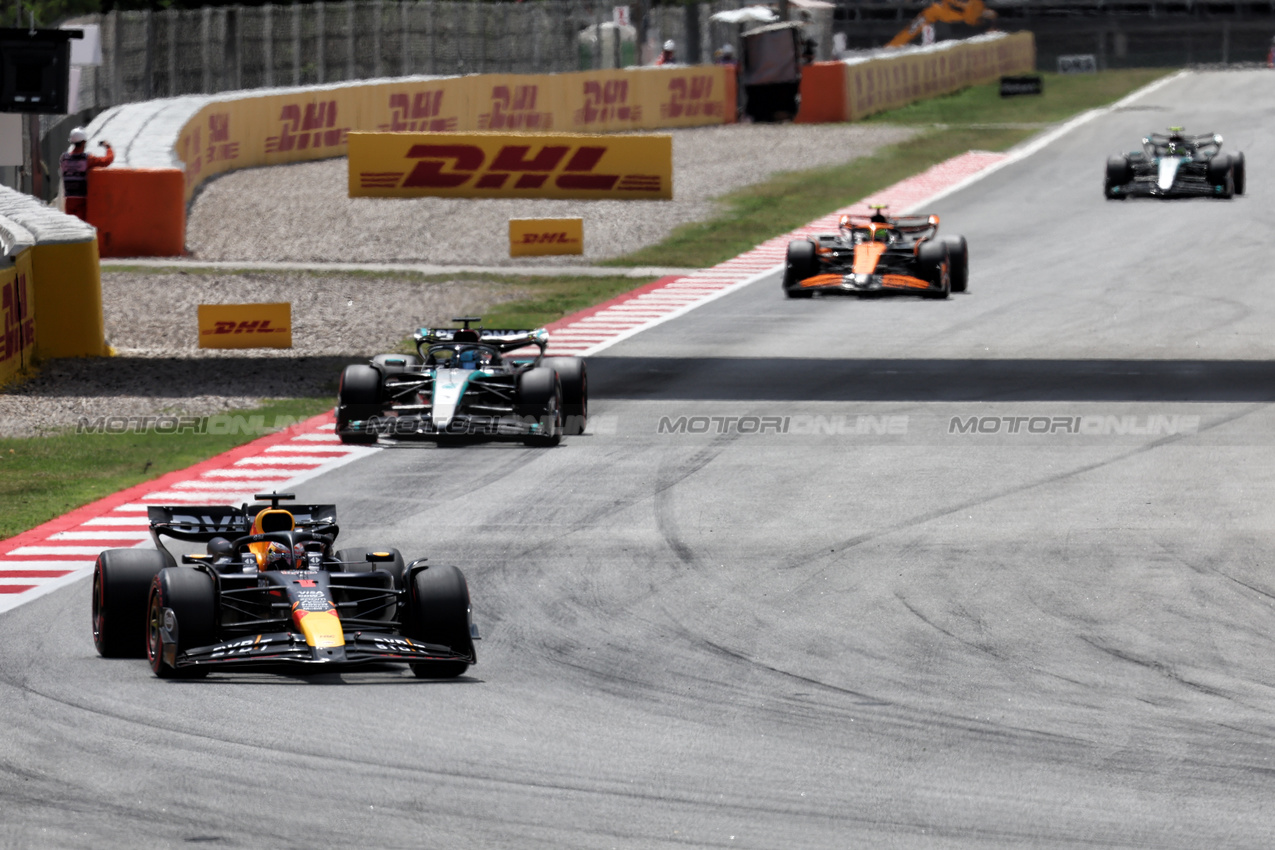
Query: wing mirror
(378, 557)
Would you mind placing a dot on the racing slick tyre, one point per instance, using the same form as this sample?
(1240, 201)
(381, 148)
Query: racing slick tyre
(802, 262)
(1237, 172)
(358, 398)
(1220, 173)
(574, 376)
(438, 613)
(958, 254)
(538, 397)
(356, 562)
(121, 582)
(392, 364)
(190, 595)
(1119, 172)
(932, 255)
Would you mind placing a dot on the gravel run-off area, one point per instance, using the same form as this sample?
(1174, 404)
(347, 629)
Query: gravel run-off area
(301, 213)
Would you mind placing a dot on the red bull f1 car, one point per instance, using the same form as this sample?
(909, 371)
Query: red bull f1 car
(463, 385)
(1174, 165)
(270, 592)
(877, 254)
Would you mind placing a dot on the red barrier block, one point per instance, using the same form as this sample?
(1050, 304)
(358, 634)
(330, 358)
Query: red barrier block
(823, 94)
(138, 212)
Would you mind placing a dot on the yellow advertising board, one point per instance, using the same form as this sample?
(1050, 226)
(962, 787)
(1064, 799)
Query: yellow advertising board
(891, 82)
(245, 325)
(510, 165)
(539, 237)
(251, 131)
(17, 317)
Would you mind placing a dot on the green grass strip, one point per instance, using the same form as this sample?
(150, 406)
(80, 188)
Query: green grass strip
(44, 477)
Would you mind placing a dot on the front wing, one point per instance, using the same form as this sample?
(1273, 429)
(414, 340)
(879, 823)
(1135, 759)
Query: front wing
(406, 425)
(868, 283)
(286, 648)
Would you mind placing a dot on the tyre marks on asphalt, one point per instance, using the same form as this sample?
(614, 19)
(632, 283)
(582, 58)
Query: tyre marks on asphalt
(63, 550)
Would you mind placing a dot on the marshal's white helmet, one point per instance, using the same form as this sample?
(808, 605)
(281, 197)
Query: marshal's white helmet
(669, 45)
(78, 136)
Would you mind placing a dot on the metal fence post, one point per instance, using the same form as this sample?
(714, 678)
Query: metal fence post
(267, 44)
(349, 40)
(172, 14)
(148, 89)
(296, 43)
(117, 63)
(205, 48)
(321, 33)
(405, 32)
(378, 12)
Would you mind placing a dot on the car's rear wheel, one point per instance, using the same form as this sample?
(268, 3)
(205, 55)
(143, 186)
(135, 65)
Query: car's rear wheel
(574, 376)
(358, 399)
(932, 256)
(958, 254)
(438, 613)
(539, 399)
(356, 562)
(802, 262)
(189, 593)
(121, 581)
(1221, 175)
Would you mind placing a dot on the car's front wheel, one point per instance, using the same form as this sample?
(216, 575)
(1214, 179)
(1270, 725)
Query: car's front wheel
(439, 614)
(182, 606)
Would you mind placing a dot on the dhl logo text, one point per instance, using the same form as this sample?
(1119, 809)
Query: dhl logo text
(604, 102)
(261, 326)
(451, 166)
(18, 326)
(418, 113)
(315, 128)
(691, 97)
(558, 238)
(514, 108)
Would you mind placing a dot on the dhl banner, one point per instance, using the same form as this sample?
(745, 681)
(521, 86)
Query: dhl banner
(17, 317)
(245, 325)
(503, 165)
(539, 237)
(245, 132)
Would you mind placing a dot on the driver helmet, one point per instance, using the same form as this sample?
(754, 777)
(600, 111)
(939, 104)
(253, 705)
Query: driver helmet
(881, 234)
(474, 358)
(278, 557)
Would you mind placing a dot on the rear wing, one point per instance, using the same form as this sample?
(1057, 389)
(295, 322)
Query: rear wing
(500, 339)
(201, 523)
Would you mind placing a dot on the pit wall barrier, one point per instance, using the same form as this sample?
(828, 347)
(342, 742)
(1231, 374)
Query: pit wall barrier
(50, 285)
(855, 88)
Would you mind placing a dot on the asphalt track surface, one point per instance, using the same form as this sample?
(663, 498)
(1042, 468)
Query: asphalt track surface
(827, 637)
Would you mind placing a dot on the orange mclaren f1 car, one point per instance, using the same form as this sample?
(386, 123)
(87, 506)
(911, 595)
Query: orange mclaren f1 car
(878, 254)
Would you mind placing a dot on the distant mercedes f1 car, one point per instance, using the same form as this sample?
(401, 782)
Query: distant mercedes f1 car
(270, 592)
(1174, 165)
(877, 254)
(462, 385)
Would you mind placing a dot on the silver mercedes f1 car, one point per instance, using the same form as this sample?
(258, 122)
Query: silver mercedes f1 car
(1175, 165)
(462, 385)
